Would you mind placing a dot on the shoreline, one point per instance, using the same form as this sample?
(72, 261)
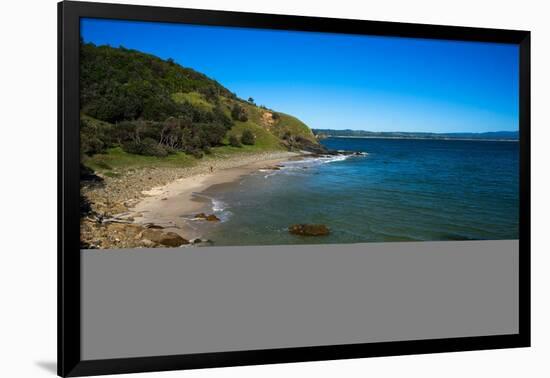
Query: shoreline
(174, 206)
(161, 200)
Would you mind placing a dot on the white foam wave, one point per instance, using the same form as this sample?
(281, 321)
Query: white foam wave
(324, 159)
(296, 166)
(217, 205)
(220, 209)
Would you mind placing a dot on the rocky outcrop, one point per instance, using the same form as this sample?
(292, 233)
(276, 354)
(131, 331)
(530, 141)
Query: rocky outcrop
(168, 239)
(126, 235)
(304, 144)
(309, 229)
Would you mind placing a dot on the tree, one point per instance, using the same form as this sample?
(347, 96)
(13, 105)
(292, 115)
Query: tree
(234, 141)
(247, 138)
(126, 101)
(220, 117)
(251, 100)
(170, 133)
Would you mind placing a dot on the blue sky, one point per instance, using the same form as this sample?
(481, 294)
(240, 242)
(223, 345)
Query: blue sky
(342, 81)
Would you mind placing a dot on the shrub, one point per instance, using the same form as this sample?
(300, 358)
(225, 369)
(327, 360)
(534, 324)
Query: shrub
(152, 148)
(234, 141)
(275, 115)
(238, 113)
(91, 145)
(94, 138)
(147, 146)
(210, 94)
(219, 117)
(124, 131)
(247, 137)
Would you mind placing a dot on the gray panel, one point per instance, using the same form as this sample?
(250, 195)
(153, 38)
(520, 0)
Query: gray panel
(147, 302)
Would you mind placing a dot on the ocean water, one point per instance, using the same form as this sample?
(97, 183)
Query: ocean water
(401, 190)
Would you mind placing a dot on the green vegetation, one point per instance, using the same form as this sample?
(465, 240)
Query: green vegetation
(234, 141)
(289, 125)
(115, 159)
(239, 113)
(194, 98)
(248, 138)
(138, 110)
(264, 140)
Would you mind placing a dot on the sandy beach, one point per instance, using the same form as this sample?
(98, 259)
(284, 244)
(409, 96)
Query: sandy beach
(162, 198)
(173, 206)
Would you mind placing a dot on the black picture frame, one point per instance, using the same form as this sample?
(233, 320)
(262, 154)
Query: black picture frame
(69, 312)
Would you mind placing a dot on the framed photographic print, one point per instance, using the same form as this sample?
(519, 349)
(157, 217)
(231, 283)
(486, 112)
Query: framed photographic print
(239, 188)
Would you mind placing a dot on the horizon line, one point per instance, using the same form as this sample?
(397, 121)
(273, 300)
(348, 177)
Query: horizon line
(423, 132)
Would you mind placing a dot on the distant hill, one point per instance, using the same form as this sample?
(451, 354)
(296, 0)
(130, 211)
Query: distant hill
(145, 105)
(494, 135)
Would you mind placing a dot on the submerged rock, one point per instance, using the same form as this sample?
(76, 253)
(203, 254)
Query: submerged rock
(209, 217)
(201, 241)
(309, 229)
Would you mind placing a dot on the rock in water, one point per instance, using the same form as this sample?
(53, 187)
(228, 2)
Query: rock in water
(201, 241)
(210, 218)
(309, 229)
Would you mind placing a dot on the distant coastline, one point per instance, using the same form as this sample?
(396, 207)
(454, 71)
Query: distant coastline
(509, 136)
(425, 138)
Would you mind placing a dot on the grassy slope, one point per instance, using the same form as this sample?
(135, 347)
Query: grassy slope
(265, 140)
(116, 158)
(194, 98)
(294, 126)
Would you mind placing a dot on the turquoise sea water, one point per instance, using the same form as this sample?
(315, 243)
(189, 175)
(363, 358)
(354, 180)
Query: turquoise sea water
(402, 190)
